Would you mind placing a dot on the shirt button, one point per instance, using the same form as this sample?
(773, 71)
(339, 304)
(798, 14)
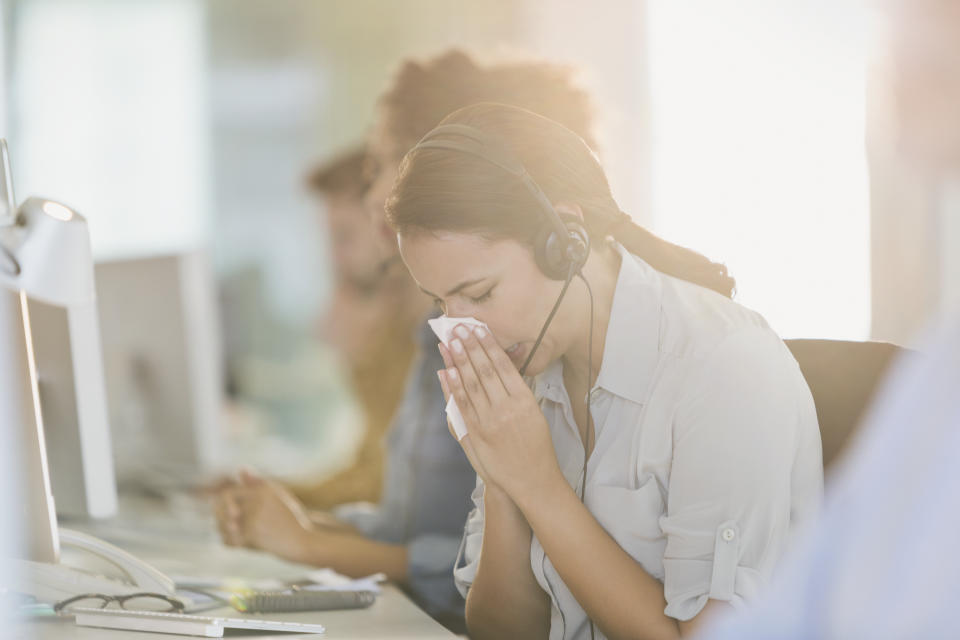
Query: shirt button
(728, 534)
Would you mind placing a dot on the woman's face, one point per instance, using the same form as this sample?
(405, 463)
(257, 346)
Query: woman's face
(496, 282)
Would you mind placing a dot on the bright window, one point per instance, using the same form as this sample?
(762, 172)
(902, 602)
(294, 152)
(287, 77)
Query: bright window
(758, 152)
(109, 116)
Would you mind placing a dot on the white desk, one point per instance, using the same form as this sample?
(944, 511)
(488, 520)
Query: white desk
(178, 543)
(392, 616)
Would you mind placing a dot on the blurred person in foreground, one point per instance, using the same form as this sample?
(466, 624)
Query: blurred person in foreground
(414, 533)
(881, 562)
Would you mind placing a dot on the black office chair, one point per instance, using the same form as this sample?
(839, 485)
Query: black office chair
(843, 377)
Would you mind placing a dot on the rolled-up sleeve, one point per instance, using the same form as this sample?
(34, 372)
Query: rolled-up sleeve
(468, 556)
(744, 422)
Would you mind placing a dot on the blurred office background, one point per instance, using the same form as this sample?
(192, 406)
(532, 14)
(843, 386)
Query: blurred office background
(739, 128)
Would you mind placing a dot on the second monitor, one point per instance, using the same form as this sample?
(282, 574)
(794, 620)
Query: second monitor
(162, 356)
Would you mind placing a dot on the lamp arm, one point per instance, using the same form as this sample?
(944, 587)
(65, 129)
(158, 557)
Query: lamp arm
(8, 204)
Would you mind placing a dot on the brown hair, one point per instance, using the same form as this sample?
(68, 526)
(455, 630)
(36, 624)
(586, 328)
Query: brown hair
(423, 93)
(444, 190)
(345, 174)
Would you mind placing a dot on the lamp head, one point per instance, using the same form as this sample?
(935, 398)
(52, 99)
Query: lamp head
(44, 252)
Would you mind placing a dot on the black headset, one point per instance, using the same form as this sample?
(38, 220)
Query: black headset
(561, 246)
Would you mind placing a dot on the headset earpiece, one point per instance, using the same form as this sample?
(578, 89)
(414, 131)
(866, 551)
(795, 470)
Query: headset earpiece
(560, 257)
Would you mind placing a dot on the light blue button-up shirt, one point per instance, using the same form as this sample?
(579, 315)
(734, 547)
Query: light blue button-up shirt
(707, 451)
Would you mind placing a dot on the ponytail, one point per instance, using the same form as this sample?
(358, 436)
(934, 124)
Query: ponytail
(670, 258)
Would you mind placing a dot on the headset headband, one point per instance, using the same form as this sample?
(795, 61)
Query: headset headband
(467, 139)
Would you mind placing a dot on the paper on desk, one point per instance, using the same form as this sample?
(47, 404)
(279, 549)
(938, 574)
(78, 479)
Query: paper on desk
(330, 580)
(443, 327)
(208, 592)
(315, 578)
(217, 582)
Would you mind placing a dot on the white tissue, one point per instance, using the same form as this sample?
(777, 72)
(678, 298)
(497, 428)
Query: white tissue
(443, 327)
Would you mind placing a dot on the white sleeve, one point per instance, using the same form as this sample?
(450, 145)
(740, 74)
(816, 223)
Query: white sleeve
(743, 424)
(465, 568)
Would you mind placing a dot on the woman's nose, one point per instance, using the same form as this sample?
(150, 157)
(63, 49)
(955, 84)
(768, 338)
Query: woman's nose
(453, 309)
(456, 309)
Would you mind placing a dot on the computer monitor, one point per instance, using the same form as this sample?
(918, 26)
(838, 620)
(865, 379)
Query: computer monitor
(30, 538)
(31, 532)
(16, 407)
(162, 354)
(73, 404)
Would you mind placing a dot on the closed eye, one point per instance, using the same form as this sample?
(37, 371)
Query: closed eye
(483, 297)
(475, 300)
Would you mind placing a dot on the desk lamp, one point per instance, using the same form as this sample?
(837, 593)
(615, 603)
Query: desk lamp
(51, 370)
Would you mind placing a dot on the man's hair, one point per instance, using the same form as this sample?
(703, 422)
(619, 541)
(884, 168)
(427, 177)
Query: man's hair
(343, 175)
(424, 93)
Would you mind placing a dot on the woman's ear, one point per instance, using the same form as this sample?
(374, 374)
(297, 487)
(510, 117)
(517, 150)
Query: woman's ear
(570, 208)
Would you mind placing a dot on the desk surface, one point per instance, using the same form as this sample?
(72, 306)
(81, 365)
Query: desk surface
(149, 532)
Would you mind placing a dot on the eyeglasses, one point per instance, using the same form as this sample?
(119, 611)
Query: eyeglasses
(131, 601)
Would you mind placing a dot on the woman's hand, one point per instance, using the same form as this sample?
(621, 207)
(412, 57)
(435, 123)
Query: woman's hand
(465, 442)
(508, 439)
(261, 514)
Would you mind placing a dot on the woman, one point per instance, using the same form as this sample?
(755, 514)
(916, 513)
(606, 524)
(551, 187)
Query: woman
(702, 452)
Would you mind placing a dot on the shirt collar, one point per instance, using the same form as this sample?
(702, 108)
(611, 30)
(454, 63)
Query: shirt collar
(632, 342)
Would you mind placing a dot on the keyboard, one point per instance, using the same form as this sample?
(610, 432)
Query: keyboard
(181, 623)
